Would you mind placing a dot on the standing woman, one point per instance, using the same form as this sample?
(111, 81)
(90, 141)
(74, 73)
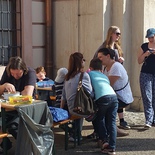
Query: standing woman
(75, 67)
(119, 80)
(146, 56)
(113, 41)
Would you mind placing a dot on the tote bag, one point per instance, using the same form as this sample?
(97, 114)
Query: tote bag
(83, 103)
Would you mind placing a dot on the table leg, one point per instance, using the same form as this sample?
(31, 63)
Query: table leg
(4, 130)
(66, 136)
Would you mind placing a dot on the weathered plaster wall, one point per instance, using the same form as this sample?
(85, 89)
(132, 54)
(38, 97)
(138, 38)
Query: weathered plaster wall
(81, 25)
(78, 26)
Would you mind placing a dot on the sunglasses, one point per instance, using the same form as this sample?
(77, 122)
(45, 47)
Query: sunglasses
(117, 33)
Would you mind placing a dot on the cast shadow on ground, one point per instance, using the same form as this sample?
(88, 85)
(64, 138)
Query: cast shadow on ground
(129, 144)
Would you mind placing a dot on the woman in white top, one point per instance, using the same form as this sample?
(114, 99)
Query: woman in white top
(119, 81)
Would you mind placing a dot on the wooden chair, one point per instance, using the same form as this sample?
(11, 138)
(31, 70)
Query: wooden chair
(66, 123)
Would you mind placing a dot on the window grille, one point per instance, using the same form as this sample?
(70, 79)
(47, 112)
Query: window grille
(10, 29)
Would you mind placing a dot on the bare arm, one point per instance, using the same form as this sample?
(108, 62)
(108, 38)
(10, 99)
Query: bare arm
(2, 88)
(28, 90)
(121, 59)
(113, 79)
(8, 87)
(142, 56)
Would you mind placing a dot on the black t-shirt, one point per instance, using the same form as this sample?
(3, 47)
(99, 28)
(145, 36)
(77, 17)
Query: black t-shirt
(25, 80)
(149, 62)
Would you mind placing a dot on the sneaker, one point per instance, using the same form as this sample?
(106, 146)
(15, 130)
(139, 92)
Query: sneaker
(121, 133)
(71, 139)
(109, 151)
(93, 136)
(124, 125)
(112, 152)
(147, 126)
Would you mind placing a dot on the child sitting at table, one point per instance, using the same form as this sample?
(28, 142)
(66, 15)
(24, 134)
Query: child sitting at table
(41, 74)
(41, 77)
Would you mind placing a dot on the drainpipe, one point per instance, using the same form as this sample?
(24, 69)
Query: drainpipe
(49, 53)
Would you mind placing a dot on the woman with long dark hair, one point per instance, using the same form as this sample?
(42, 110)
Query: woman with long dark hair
(75, 67)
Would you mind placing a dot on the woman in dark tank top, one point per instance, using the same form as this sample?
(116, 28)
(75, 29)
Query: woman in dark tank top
(146, 57)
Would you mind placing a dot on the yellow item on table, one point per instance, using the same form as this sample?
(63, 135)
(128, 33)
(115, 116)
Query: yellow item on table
(17, 100)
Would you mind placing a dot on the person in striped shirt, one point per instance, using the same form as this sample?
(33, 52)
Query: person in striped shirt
(58, 85)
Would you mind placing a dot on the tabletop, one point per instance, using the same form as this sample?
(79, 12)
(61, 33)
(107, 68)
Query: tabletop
(7, 105)
(44, 88)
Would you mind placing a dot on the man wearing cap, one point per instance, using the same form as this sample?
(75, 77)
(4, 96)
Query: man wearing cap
(146, 57)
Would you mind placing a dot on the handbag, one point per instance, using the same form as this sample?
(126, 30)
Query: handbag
(83, 103)
(92, 116)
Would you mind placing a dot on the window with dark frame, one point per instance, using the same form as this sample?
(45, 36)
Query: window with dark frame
(10, 30)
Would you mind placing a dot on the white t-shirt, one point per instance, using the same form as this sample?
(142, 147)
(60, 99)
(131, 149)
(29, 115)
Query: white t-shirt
(125, 94)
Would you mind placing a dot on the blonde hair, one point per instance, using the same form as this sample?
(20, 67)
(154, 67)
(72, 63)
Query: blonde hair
(108, 42)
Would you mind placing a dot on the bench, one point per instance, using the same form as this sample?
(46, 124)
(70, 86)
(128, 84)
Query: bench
(66, 122)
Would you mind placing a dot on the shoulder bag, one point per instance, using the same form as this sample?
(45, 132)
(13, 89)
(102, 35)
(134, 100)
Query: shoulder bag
(83, 104)
(122, 87)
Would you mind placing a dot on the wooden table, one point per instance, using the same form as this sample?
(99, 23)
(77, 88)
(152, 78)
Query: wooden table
(5, 107)
(44, 88)
(47, 94)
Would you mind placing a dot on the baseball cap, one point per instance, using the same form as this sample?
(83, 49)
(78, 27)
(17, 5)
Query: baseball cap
(150, 33)
(61, 73)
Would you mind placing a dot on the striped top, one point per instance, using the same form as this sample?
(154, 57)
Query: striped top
(58, 92)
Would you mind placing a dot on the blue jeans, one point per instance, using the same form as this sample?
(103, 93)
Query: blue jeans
(147, 86)
(106, 118)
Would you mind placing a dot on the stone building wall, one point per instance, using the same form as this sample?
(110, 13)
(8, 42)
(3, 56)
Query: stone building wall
(81, 25)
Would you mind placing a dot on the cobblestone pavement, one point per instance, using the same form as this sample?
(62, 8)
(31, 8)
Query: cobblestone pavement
(139, 141)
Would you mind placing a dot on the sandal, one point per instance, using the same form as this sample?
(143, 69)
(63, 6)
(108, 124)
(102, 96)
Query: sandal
(104, 145)
(109, 151)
